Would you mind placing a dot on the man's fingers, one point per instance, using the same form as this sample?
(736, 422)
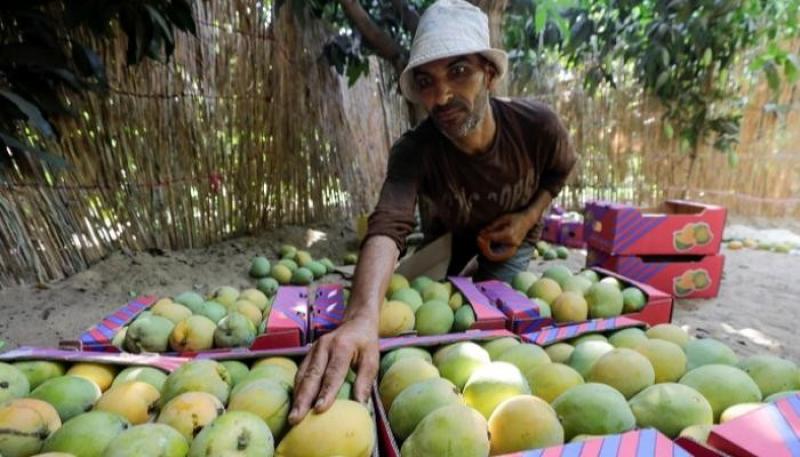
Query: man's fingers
(308, 382)
(496, 224)
(334, 378)
(367, 371)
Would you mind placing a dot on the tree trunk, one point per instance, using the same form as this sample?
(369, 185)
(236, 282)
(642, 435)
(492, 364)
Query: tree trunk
(495, 9)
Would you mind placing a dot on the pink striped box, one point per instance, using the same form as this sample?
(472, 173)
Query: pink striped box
(676, 227)
(770, 431)
(637, 443)
(523, 314)
(552, 335)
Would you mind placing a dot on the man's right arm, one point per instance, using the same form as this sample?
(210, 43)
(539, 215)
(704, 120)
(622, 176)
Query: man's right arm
(355, 342)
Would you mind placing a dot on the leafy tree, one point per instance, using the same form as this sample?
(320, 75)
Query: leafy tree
(44, 55)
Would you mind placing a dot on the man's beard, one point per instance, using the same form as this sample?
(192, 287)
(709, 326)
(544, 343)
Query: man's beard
(469, 123)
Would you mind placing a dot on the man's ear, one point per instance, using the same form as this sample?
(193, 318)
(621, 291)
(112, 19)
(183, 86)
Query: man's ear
(491, 76)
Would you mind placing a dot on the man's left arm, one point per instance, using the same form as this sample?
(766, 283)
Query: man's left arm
(500, 239)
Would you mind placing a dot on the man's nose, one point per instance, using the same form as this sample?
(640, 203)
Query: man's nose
(443, 94)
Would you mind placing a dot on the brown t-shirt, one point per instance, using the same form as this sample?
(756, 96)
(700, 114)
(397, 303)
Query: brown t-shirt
(530, 151)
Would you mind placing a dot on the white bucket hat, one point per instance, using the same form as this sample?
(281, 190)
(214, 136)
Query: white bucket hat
(450, 28)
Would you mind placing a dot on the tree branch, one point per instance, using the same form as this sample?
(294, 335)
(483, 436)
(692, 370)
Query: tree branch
(376, 38)
(409, 18)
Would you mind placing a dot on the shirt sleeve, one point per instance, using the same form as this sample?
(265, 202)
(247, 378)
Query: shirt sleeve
(393, 216)
(561, 157)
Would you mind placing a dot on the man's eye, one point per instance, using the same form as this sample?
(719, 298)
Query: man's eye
(458, 70)
(423, 83)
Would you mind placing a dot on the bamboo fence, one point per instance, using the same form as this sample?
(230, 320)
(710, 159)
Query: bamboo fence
(247, 128)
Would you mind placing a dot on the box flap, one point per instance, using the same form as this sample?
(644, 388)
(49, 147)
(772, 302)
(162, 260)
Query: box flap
(553, 335)
(770, 431)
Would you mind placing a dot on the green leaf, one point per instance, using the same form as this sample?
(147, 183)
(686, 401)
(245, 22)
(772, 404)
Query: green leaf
(707, 56)
(668, 131)
(663, 78)
(30, 111)
(733, 158)
(541, 18)
(166, 30)
(773, 79)
(791, 67)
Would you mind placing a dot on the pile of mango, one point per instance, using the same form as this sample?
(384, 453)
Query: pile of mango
(568, 297)
(204, 408)
(190, 322)
(294, 267)
(424, 306)
(503, 396)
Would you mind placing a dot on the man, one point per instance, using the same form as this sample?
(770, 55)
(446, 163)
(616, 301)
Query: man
(488, 167)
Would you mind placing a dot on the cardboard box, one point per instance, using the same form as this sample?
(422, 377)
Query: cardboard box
(387, 344)
(552, 229)
(287, 325)
(166, 363)
(328, 307)
(636, 443)
(523, 314)
(548, 336)
(770, 431)
(679, 276)
(676, 227)
(572, 234)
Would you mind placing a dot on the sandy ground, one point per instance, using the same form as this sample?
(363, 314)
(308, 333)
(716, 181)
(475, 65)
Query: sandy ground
(757, 311)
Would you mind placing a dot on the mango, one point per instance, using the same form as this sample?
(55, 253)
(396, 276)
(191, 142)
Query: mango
(456, 301)
(24, 425)
(499, 345)
(593, 409)
(667, 358)
(524, 422)
(586, 354)
(604, 300)
(282, 274)
(13, 383)
(189, 412)
(175, 312)
(395, 319)
(284, 362)
(629, 338)
(317, 269)
(570, 307)
(346, 429)
(419, 400)
(732, 412)
(69, 395)
(148, 440)
(525, 356)
(302, 276)
(670, 408)
(193, 334)
(591, 275)
(236, 369)
(708, 351)
(491, 384)
(558, 273)
(577, 284)
(279, 374)
(303, 258)
(458, 361)
(559, 352)
(212, 310)
(148, 333)
(259, 267)
(396, 282)
(269, 286)
(100, 374)
(464, 319)
(723, 386)
(420, 283)
(633, 300)
(451, 431)
(435, 291)
(287, 251)
(402, 374)
(86, 435)
(197, 376)
(409, 296)
(625, 370)
(225, 296)
(545, 289)
(329, 266)
(266, 399)
(772, 374)
(669, 332)
(234, 330)
(236, 433)
(698, 433)
(434, 317)
(152, 376)
(551, 380)
(523, 281)
(612, 281)
(136, 401)
(191, 300)
(588, 337)
(393, 356)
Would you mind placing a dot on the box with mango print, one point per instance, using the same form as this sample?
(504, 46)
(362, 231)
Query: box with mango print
(676, 227)
(680, 276)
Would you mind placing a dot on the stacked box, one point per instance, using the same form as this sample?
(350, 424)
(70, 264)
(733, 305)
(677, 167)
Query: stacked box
(551, 232)
(572, 234)
(286, 326)
(674, 247)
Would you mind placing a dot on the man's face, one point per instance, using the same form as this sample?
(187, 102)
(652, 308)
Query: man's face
(455, 92)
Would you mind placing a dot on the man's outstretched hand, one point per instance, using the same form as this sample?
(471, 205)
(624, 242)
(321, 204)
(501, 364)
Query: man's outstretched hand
(322, 373)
